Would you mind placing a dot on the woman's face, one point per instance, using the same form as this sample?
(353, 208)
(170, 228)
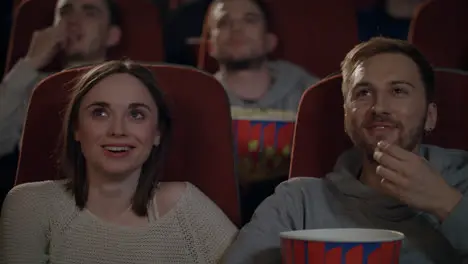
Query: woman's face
(117, 126)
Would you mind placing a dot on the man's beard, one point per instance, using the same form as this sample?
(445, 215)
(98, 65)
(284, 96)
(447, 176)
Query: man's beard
(408, 140)
(76, 56)
(87, 55)
(233, 65)
(80, 59)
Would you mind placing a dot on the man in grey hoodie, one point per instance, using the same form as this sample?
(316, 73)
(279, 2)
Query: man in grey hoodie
(241, 40)
(83, 30)
(388, 180)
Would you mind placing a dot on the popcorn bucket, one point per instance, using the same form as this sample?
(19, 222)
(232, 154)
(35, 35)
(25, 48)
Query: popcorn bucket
(263, 140)
(341, 246)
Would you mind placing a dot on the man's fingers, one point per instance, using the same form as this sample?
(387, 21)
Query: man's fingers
(391, 176)
(389, 161)
(395, 151)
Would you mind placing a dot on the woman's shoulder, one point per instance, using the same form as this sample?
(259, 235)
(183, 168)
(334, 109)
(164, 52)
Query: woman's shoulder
(32, 209)
(38, 187)
(176, 194)
(176, 186)
(36, 192)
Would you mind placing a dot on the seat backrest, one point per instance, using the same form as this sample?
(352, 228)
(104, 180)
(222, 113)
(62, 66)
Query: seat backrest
(320, 137)
(16, 3)
(313, 34)
(452, 125)
(141, 31)
(438, 32)
(201, 149)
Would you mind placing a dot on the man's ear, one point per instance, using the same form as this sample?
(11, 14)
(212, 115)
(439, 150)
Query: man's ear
(431, 117)
(271, 42)
(209, 47)
(114, 37)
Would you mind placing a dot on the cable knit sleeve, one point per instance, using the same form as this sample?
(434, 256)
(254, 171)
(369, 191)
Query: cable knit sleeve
(24, 225)
(212, 231)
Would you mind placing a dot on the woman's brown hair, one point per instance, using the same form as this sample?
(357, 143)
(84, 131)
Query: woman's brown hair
(72, 162)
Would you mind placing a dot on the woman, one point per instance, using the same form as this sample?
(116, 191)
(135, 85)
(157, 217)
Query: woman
(112, 207)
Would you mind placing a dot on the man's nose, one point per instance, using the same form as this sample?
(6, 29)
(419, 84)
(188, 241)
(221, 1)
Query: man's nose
(380, 103)
(237, 25)
(73, 18)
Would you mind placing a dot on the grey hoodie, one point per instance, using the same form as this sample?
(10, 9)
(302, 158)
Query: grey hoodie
(341, 201)
(15, 91)
(289, 83)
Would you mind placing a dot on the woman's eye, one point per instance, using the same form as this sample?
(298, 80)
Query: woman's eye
(99, 112)
(137, 115)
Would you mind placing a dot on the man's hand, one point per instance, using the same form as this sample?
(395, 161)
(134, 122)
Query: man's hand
(409, 178)
(45, 44)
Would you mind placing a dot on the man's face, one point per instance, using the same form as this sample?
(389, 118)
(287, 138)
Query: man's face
(88, 28)
(385, 100)
(238, 31)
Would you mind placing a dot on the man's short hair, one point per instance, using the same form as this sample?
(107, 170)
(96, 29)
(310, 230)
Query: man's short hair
(260, 4)
(381, 45)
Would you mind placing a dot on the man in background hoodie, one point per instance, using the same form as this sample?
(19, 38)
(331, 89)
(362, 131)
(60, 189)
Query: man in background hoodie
(83, 31)
(241, 40)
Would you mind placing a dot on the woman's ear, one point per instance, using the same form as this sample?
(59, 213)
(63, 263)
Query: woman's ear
(76, 135)
(157, 141)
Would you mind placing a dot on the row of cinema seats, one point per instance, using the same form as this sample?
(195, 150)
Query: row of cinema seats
(202, 129)
(307, 37)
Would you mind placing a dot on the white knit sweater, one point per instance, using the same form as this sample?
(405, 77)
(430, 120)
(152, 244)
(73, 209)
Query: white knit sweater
(41, 224)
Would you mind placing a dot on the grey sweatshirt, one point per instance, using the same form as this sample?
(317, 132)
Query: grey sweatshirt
(289, 83)
(15, 91)
(341, 201)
